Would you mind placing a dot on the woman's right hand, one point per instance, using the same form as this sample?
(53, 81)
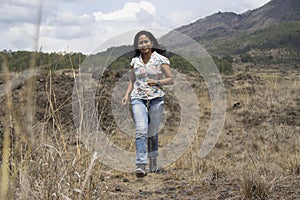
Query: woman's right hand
(124, 100)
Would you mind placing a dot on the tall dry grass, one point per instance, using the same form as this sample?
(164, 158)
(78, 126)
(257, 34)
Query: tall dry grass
(5, 171)
(256, 157)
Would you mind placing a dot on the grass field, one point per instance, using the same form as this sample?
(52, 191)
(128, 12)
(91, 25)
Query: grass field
(256, 156)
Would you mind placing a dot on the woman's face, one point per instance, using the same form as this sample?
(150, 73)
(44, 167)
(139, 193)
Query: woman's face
(144, 44)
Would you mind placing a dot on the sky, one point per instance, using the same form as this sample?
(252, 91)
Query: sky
(83, 25)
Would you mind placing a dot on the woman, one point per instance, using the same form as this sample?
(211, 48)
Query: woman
(150, 70)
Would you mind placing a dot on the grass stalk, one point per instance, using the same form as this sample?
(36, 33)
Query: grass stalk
(5, 174)
(88, 174)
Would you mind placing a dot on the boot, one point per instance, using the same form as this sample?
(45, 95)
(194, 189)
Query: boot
(153, 165)
(141, 171)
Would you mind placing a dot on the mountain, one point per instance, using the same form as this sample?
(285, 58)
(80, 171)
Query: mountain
(272, 13)
(275, 23)
(269, 34)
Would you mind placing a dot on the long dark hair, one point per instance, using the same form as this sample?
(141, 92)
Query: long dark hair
(156, 47)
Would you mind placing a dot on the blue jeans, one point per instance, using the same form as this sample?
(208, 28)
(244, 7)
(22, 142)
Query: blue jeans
(147, 116)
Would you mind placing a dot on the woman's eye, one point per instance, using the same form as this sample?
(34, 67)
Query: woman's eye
(146, 42)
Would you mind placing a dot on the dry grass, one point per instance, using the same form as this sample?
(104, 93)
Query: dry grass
(6, 137)
(256, 157)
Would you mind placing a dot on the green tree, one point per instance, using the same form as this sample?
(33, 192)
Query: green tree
(224, 64)
(177, 62)
(246, 58)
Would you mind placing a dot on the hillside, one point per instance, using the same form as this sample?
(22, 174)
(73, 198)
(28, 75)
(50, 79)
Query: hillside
(272, 13)
(231, 33)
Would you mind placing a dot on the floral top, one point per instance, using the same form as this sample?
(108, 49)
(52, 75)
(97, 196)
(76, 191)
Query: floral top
(143, 72)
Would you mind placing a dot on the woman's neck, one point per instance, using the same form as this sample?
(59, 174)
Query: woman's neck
(146, 57)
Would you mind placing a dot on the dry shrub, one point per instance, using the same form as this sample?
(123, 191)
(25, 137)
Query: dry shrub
(294, 166)
(255, 187)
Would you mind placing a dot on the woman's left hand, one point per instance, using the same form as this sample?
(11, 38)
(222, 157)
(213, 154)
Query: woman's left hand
(152, 82)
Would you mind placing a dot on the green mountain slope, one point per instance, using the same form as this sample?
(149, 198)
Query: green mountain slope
(284, 35)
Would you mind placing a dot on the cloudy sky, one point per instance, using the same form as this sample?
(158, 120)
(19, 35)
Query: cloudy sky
(82, 25)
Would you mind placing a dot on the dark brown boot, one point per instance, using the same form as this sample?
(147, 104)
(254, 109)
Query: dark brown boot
(153, 165)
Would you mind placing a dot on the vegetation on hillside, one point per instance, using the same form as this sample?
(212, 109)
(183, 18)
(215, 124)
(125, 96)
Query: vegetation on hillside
(20, 60)
(285, 36)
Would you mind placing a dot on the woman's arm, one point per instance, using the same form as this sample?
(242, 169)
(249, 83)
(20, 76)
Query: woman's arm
(168, 75)
(129, 88)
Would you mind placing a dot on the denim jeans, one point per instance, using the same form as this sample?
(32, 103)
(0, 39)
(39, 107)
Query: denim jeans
(147, 116)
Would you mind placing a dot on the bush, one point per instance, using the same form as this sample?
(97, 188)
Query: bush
(224, 64)
(246, 58)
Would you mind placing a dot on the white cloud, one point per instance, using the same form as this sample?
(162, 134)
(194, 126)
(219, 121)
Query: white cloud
(87, 31)
(23, 36)
(150, 8)
(179, 17)
(11, 14)
(69, 19)
(26, 3)
(65, 32)
(128, 12)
